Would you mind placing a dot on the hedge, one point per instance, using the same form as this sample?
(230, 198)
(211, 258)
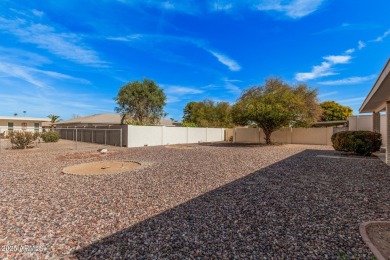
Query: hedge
(50, 137)
(357, 142)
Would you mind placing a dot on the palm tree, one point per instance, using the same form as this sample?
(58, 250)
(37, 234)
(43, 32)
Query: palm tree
(15, 114)
(53, 119)
(24, 113)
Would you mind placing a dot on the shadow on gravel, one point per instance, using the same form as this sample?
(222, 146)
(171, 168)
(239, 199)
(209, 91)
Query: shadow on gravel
(301, 206)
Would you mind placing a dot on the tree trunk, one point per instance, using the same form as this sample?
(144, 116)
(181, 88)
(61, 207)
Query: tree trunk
(268, 137)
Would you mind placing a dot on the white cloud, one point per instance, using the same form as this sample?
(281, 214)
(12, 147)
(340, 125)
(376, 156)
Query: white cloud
(168, 5)
(218, 6)
(180, 91)
(173, 99)
(230, 63)
(37, 12)
(347, 81)
(328, 94)
(381, 38)
(291, 8)
(33, 75)
(361, 45)
(338, 59)
(294, 9)
(222, 58)
(325, 69)
(232, 88)
(62, 44)
(350, 51)
(20, 72)
(351, 101)
(127, 38)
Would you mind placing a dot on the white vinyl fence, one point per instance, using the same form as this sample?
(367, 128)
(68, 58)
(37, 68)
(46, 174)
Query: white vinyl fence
(163, 135)
(364, 123)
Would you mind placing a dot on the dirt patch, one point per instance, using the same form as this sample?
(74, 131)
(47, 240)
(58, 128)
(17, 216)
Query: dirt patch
(84, 155)
(180, 147)
(101, 167)
(376, 234)
(379, 234)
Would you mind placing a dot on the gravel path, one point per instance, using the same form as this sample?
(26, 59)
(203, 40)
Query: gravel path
(219, 201)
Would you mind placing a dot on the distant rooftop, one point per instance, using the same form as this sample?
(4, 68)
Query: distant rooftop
(19, 118)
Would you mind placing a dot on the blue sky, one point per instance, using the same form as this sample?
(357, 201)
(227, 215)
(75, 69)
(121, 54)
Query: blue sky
(70, 57)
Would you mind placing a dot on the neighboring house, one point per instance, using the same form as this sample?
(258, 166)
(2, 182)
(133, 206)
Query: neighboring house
(378, 100)
(13, 123)
(100, 120)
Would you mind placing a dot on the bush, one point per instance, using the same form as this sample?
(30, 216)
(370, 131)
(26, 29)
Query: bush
(50, 137)
(188, 124)
(357, 142)
(22, 139)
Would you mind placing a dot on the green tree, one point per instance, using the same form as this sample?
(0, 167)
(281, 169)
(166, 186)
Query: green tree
(53, 119)
(333, 111)
(141, 102)
(277, 105)
(207, 113)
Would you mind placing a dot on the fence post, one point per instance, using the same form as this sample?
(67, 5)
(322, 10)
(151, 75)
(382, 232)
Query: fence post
(105, 137)
(76, 138)
(121, 137)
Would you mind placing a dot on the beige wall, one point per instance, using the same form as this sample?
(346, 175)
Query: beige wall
(365, 123)
(320, 136)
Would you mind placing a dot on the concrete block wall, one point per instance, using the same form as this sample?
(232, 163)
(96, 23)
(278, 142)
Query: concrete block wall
(139, 136)
(319, 136)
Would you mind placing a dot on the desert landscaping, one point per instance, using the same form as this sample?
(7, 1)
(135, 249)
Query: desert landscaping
(206, 200)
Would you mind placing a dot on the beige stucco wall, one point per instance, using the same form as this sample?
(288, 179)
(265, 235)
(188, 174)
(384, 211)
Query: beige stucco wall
(365, 123)
(320, 136)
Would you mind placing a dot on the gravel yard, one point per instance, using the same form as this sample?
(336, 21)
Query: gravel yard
(213, 201)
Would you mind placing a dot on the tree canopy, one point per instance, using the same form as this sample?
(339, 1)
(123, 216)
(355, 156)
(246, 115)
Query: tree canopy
(141, 103)
(54, 118)
(333, 111)
(276, 105)
(207, 113)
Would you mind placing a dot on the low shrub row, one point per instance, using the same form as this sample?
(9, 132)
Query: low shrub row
(357, 142)
(22, 139)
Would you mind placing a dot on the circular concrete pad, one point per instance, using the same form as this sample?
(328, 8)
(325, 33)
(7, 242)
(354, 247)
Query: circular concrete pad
(101, 167)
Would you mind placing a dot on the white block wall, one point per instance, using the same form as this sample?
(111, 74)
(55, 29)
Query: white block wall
(139, 136)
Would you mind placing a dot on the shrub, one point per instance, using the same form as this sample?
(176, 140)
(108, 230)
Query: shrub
(188, 124)
(50, 137)
(22, 139)
(357, 142)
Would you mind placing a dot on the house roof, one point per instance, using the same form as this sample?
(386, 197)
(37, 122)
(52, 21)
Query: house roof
(379, 94)
(331, 123)
(15, 118)
(106, 119)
